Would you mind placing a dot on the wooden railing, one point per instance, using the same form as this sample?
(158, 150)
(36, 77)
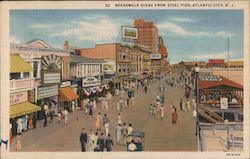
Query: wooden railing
(209, 114)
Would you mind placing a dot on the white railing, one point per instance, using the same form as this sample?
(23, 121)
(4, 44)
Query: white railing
(21, 84)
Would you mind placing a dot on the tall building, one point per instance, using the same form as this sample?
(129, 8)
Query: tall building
(162, 49)
(147, 34)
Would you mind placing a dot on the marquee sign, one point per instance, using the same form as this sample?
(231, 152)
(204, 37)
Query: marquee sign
(48, 91)
(51, 69)
(90, 81)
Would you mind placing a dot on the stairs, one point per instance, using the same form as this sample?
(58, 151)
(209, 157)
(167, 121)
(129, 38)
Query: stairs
(210, 115)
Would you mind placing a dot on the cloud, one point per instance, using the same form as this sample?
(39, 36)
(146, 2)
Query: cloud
(41, 26)
(15, 40)
(178, 30)
(96, 28)
(180, 19)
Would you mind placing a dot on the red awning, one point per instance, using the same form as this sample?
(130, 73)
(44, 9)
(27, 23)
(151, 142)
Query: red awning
(222, 83)
(67, 94)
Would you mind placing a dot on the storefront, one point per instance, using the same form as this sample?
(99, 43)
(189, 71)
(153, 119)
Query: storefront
(21, 95)
(93, 88)
(49, 95)
(22, 109)
(68, 98)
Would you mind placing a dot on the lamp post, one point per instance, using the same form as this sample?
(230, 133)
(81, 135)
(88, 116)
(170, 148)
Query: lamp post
(197, 69)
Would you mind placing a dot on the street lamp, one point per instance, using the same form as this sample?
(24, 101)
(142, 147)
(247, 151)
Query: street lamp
(197, 69)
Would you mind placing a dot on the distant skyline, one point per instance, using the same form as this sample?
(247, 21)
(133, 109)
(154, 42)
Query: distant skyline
(189, 35)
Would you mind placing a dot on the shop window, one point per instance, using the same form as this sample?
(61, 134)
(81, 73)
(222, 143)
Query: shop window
(15, 76)
(26, 75)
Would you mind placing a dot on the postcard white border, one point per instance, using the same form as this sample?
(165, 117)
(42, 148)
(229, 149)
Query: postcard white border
(6, 6)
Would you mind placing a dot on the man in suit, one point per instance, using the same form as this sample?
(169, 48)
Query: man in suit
(101, 142)
(109, 143)
(83, 140)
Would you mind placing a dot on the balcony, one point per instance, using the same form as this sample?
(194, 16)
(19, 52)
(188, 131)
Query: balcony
(20, 84)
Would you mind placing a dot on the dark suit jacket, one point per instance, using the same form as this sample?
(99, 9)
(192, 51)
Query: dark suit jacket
(101, 142)
(109, 143)
(83, 137)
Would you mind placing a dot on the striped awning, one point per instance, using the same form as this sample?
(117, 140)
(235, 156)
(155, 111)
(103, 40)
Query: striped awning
(17, 64)
(22, 109)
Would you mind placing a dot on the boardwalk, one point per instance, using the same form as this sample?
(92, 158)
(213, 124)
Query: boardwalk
(161, 135)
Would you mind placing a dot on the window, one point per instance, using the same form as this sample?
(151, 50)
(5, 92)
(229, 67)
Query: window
(14, 76)
(35, 68)
(26, 75)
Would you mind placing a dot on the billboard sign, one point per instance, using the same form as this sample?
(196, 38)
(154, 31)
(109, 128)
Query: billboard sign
(155, 56)
(129, 33)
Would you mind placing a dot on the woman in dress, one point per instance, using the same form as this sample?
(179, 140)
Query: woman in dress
(174, 116)
(98, 121)
(18, 143)
(95, 140)
(162, 112)
(91, 140)
(118, 133)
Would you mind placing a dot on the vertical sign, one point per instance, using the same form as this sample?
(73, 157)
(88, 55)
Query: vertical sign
(223, 103)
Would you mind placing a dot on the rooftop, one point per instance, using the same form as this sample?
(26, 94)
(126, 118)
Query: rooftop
(219, 81)
(81, 59)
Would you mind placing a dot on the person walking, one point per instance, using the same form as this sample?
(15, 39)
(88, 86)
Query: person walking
(103, 102)
(162, 112)
(124, 133)
(188, 105)
(34, 121)
(66, 116)
(45, 119)
(18, 143)
(90, 107)
(83, 140)
(95, 145)
(30, 126)
(106, 128)
(109, 143)
(101, 142)
(119, 119)
(91, 140)
(154, 111)
(173, 107)
(59, 117)
(133, 102)
(98, 121)
(145, 89)
(19, 125)
(181, 104)
(130, 130)
(150, 110)
(118, 133)
(174, 116)
(105, 119)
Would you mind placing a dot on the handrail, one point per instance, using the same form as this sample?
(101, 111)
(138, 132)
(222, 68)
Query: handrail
(211, 113)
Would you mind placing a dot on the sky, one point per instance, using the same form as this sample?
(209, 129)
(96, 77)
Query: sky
(189, 35)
